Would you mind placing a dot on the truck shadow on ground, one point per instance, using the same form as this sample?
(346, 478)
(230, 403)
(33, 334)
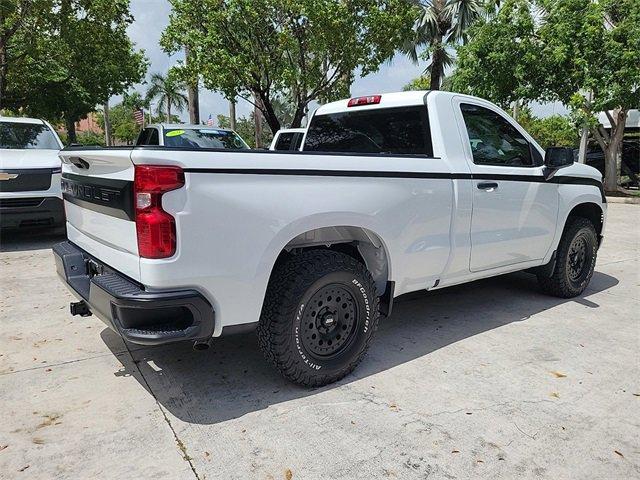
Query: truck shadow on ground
(26, 240)
(232, 378)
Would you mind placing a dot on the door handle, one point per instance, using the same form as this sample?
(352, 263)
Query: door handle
(488, 186)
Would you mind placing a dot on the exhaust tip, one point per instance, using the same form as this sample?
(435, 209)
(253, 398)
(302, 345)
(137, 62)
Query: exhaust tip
(201, 346)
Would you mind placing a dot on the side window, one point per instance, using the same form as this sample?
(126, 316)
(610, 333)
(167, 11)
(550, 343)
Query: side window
(149, 136)
(494, 141)
(284, 141)
(142, 137)
(154, 138)
(297, 140)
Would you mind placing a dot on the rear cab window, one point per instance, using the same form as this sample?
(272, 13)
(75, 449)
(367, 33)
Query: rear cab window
(398, 130)
(27, 136)
(284, 141)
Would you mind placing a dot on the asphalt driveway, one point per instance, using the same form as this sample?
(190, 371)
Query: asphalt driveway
(485, 380)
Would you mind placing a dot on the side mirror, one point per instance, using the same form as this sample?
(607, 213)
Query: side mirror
(558, 157)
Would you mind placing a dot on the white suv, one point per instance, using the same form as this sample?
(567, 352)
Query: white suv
(29, 174)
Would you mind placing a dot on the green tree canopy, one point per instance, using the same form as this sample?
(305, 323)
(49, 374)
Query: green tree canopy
(306, 49)
(80, 56)
(423, 82)
(246, 128)
(583, 53)
(439, 26)
(169, 91)
(499, 61)
(553, 131)
(22, 24)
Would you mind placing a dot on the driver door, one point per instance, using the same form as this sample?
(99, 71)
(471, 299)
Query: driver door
(514, 210)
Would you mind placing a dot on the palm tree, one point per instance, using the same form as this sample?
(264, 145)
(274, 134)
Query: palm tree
(169, 91)
(440, 25)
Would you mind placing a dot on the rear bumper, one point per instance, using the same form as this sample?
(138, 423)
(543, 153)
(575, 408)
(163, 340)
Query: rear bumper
(137, 315)
(24, 212)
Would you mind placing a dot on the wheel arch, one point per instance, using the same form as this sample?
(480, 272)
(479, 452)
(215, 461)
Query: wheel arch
(592, 212)
(359, 242)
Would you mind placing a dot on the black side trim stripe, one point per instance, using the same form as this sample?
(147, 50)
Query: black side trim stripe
(557, 179)
(115, 197)
(329, 173)
(30, 171)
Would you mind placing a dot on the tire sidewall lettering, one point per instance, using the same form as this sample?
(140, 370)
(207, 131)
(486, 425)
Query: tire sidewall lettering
(364, 311)
(303, 355)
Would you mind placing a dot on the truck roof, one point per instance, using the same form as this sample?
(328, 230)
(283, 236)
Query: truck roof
(387, 100)
(34, 121)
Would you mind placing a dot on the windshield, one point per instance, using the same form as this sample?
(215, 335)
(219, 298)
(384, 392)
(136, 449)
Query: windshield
(27, 135)
(203, 138)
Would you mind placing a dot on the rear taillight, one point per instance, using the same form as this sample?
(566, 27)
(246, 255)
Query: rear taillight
(368, 100)
(156, 229)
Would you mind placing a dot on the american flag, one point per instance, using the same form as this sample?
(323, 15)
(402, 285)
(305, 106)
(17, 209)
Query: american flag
(138, 116)
(210, 121)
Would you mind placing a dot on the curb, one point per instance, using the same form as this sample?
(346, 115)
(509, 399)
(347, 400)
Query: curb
(627, 200)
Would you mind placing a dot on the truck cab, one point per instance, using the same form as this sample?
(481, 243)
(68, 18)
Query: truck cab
(288, 139)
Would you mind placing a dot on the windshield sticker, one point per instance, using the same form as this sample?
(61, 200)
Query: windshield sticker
(175, 133)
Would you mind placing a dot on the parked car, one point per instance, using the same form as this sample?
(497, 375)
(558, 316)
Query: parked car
(190, 136)
(630, 154)
(393, 193)
(630, 165)
(288, 139)
(29, 174)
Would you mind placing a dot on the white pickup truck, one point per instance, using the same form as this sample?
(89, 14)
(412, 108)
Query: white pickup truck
(394, 193)
(29, 174)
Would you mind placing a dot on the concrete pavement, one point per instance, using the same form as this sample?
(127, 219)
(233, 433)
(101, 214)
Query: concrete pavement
(484, 380)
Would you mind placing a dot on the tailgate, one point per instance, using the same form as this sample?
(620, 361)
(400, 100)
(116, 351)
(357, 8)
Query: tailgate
(97, 187)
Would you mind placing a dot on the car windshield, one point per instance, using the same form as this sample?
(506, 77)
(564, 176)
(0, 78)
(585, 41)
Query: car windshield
(20, 136)
(203, 138)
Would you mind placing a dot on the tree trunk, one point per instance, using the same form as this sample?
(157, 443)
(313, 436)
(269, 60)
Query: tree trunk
(270, 114)
(232, 115)
(584, 143)
(193, 94)
(298, 116)
(516, 110)
(71, 130)
(257, 118)
(194, 104)
(107, 125)
(613, 150)
(168, 111)
(4, 67)
(437, 66)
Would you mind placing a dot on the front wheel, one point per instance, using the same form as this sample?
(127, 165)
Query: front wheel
(319, 316)
(575, 260)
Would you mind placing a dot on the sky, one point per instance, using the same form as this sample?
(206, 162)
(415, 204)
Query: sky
(152, 16)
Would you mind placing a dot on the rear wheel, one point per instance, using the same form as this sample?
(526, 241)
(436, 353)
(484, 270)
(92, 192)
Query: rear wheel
(575, 260)
(319, 316)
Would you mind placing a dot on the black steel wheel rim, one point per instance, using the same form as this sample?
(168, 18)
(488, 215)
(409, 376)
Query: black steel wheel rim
(577, 258)
(329, 321)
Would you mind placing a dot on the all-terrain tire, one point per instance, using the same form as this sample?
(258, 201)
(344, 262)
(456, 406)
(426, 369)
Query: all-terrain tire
(566, 280)
(322, 294)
